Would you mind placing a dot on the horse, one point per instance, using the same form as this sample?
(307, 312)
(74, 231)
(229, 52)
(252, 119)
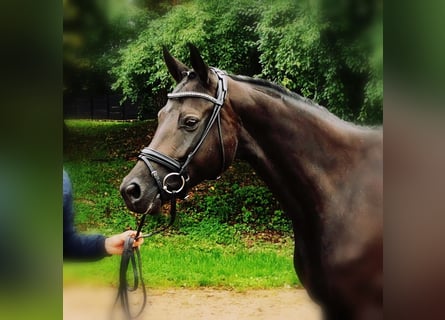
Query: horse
(326, 173)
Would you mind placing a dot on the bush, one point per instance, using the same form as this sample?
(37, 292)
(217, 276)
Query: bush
(331, 54)
(249, 208)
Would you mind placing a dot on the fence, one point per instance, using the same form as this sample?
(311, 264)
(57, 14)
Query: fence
(105, 106)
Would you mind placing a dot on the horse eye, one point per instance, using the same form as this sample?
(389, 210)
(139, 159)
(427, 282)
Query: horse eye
(191, 74)
(190, 123)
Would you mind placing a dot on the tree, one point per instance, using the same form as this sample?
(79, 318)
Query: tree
(94, 31)
(329, 53)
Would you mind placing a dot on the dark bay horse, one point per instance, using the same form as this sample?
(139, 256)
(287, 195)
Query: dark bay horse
(326, 173)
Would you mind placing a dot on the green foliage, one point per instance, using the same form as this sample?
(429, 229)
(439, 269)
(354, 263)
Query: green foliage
(372, 111)
(231, 40)
(140, 72)
(248, 208)
(292, 51)
(220, 30)
(314, 49)
(331, 54)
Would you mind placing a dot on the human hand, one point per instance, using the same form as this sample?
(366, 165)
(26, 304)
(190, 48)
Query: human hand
(115, 244)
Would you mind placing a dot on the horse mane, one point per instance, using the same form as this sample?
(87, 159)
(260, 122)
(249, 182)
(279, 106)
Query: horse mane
(274, 89)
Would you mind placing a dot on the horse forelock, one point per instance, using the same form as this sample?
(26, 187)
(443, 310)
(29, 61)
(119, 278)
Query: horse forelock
(193, 84)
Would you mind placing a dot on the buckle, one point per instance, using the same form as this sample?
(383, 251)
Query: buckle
(165, 181)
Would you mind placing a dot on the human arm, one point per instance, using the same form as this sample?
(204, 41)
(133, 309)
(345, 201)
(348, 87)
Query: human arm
(87, 247)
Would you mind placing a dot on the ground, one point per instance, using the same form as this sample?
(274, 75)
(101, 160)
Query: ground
(95, 303)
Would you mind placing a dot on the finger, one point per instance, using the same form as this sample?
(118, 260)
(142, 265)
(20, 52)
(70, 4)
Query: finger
(138, 242)
(130, 233)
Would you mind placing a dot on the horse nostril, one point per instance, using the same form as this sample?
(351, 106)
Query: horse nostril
(133, 191)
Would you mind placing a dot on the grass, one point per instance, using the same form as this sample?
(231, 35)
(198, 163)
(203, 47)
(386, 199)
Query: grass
(196, 253)
(177, 261)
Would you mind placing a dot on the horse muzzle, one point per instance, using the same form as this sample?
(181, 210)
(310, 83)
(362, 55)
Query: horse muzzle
(139, 194)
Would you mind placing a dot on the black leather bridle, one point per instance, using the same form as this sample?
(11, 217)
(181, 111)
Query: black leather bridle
(179, 170)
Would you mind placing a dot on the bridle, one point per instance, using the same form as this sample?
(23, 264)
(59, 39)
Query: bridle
(179, 170)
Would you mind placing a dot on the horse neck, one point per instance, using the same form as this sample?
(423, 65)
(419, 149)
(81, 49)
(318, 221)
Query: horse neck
(299, 149)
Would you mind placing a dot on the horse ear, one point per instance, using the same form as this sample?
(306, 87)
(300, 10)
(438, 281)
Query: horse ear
(175, 67)
(198, 64)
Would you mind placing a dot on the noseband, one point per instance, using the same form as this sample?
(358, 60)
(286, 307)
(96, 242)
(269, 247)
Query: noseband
(179, 169)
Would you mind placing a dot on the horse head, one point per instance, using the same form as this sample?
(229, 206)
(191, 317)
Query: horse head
(196, 137)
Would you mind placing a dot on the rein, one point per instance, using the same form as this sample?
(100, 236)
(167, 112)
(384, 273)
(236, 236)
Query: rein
(179, 170)
(128, 256)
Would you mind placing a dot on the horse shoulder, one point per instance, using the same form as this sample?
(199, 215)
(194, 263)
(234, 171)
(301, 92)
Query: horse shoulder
(353, 235)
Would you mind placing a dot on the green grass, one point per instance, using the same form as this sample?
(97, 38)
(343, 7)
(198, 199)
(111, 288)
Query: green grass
(178, 261)
(199, 251)
(97, 202)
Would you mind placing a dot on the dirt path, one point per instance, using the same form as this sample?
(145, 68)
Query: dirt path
(94, 303)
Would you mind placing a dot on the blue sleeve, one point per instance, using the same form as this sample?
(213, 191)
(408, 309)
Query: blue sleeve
(77, 246)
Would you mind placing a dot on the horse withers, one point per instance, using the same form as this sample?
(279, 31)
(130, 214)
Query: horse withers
(326, 173)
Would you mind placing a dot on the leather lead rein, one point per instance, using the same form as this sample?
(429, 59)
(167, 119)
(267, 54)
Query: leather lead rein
(132, 255)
